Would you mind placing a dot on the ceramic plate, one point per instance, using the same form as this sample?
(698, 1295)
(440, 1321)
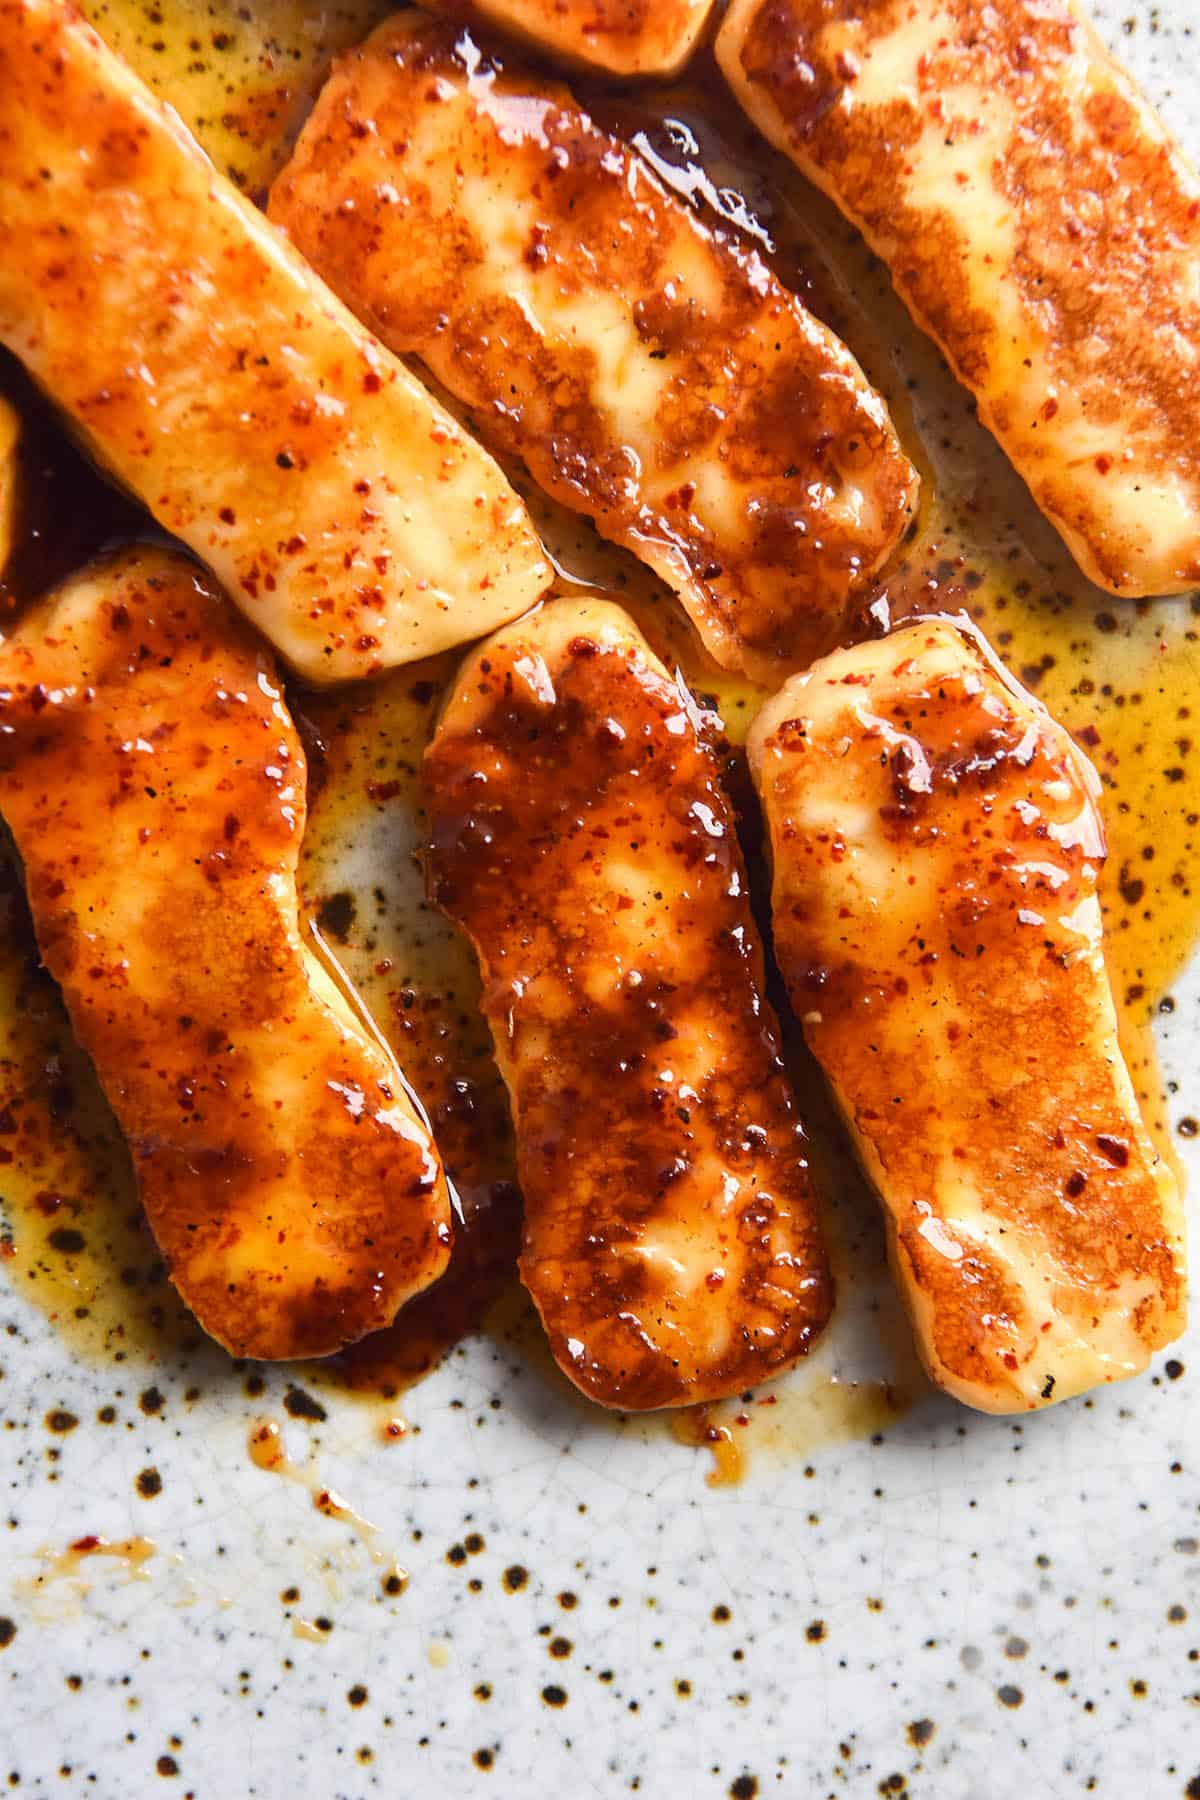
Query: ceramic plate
(225, 1580)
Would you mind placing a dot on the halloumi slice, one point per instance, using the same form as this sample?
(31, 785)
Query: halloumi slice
(937, 841)
(582, 838)
(155, 786)
(1038, 221)
(649, 372)
(614, 37)
(216, 376)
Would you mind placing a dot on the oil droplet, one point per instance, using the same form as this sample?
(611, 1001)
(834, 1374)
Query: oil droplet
(309, 1632)
(439, 1653)
(334, 1507)
(266, 1447)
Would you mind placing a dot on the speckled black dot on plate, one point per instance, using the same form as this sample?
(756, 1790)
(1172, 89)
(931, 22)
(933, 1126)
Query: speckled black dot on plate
(897, 1597)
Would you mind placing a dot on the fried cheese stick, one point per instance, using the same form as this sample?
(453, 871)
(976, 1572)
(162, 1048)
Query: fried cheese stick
(213, 373)
(155, 786)
(649, 372)
(936, 841)
(1038, 221)
(582, 839)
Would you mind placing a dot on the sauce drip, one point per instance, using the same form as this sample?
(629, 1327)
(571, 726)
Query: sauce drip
(790, 1424)
(267, 1451)
(63, 1579)
(131, 1553)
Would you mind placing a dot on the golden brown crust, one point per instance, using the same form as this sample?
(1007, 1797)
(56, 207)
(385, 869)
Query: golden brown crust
(10, 438)
(582, 838)
(218, 378)
(619, 37)
(649, 373)
(1037, 219)
(154, 784)
(936, 846)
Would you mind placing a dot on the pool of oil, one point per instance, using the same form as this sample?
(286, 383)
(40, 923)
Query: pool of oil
(1125, 678)
(242, 76)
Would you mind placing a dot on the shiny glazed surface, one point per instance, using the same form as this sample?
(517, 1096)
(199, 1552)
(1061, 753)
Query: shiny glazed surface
(617, 37)
(155, 786)
(216, 376)
(936, 842)
(845, 1617)
(10, 433)
(1037, 219)
(649, 371)
(582, 837)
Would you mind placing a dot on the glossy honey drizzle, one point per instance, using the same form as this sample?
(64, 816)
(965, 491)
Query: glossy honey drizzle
(1125, 678)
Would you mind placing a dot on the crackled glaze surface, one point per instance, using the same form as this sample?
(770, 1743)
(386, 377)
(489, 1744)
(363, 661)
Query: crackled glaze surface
(485, 1586)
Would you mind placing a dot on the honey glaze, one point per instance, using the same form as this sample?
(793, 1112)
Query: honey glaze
(363, 883)
(59, 510)
(864, 1375)
(73, 1238)
(62, 1580)
(268, 1451)
(1124, 678)
(241, 77)
(131, 1554)
(783, 1427)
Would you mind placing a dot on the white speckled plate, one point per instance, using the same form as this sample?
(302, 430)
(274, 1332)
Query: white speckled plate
(927, 1603)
